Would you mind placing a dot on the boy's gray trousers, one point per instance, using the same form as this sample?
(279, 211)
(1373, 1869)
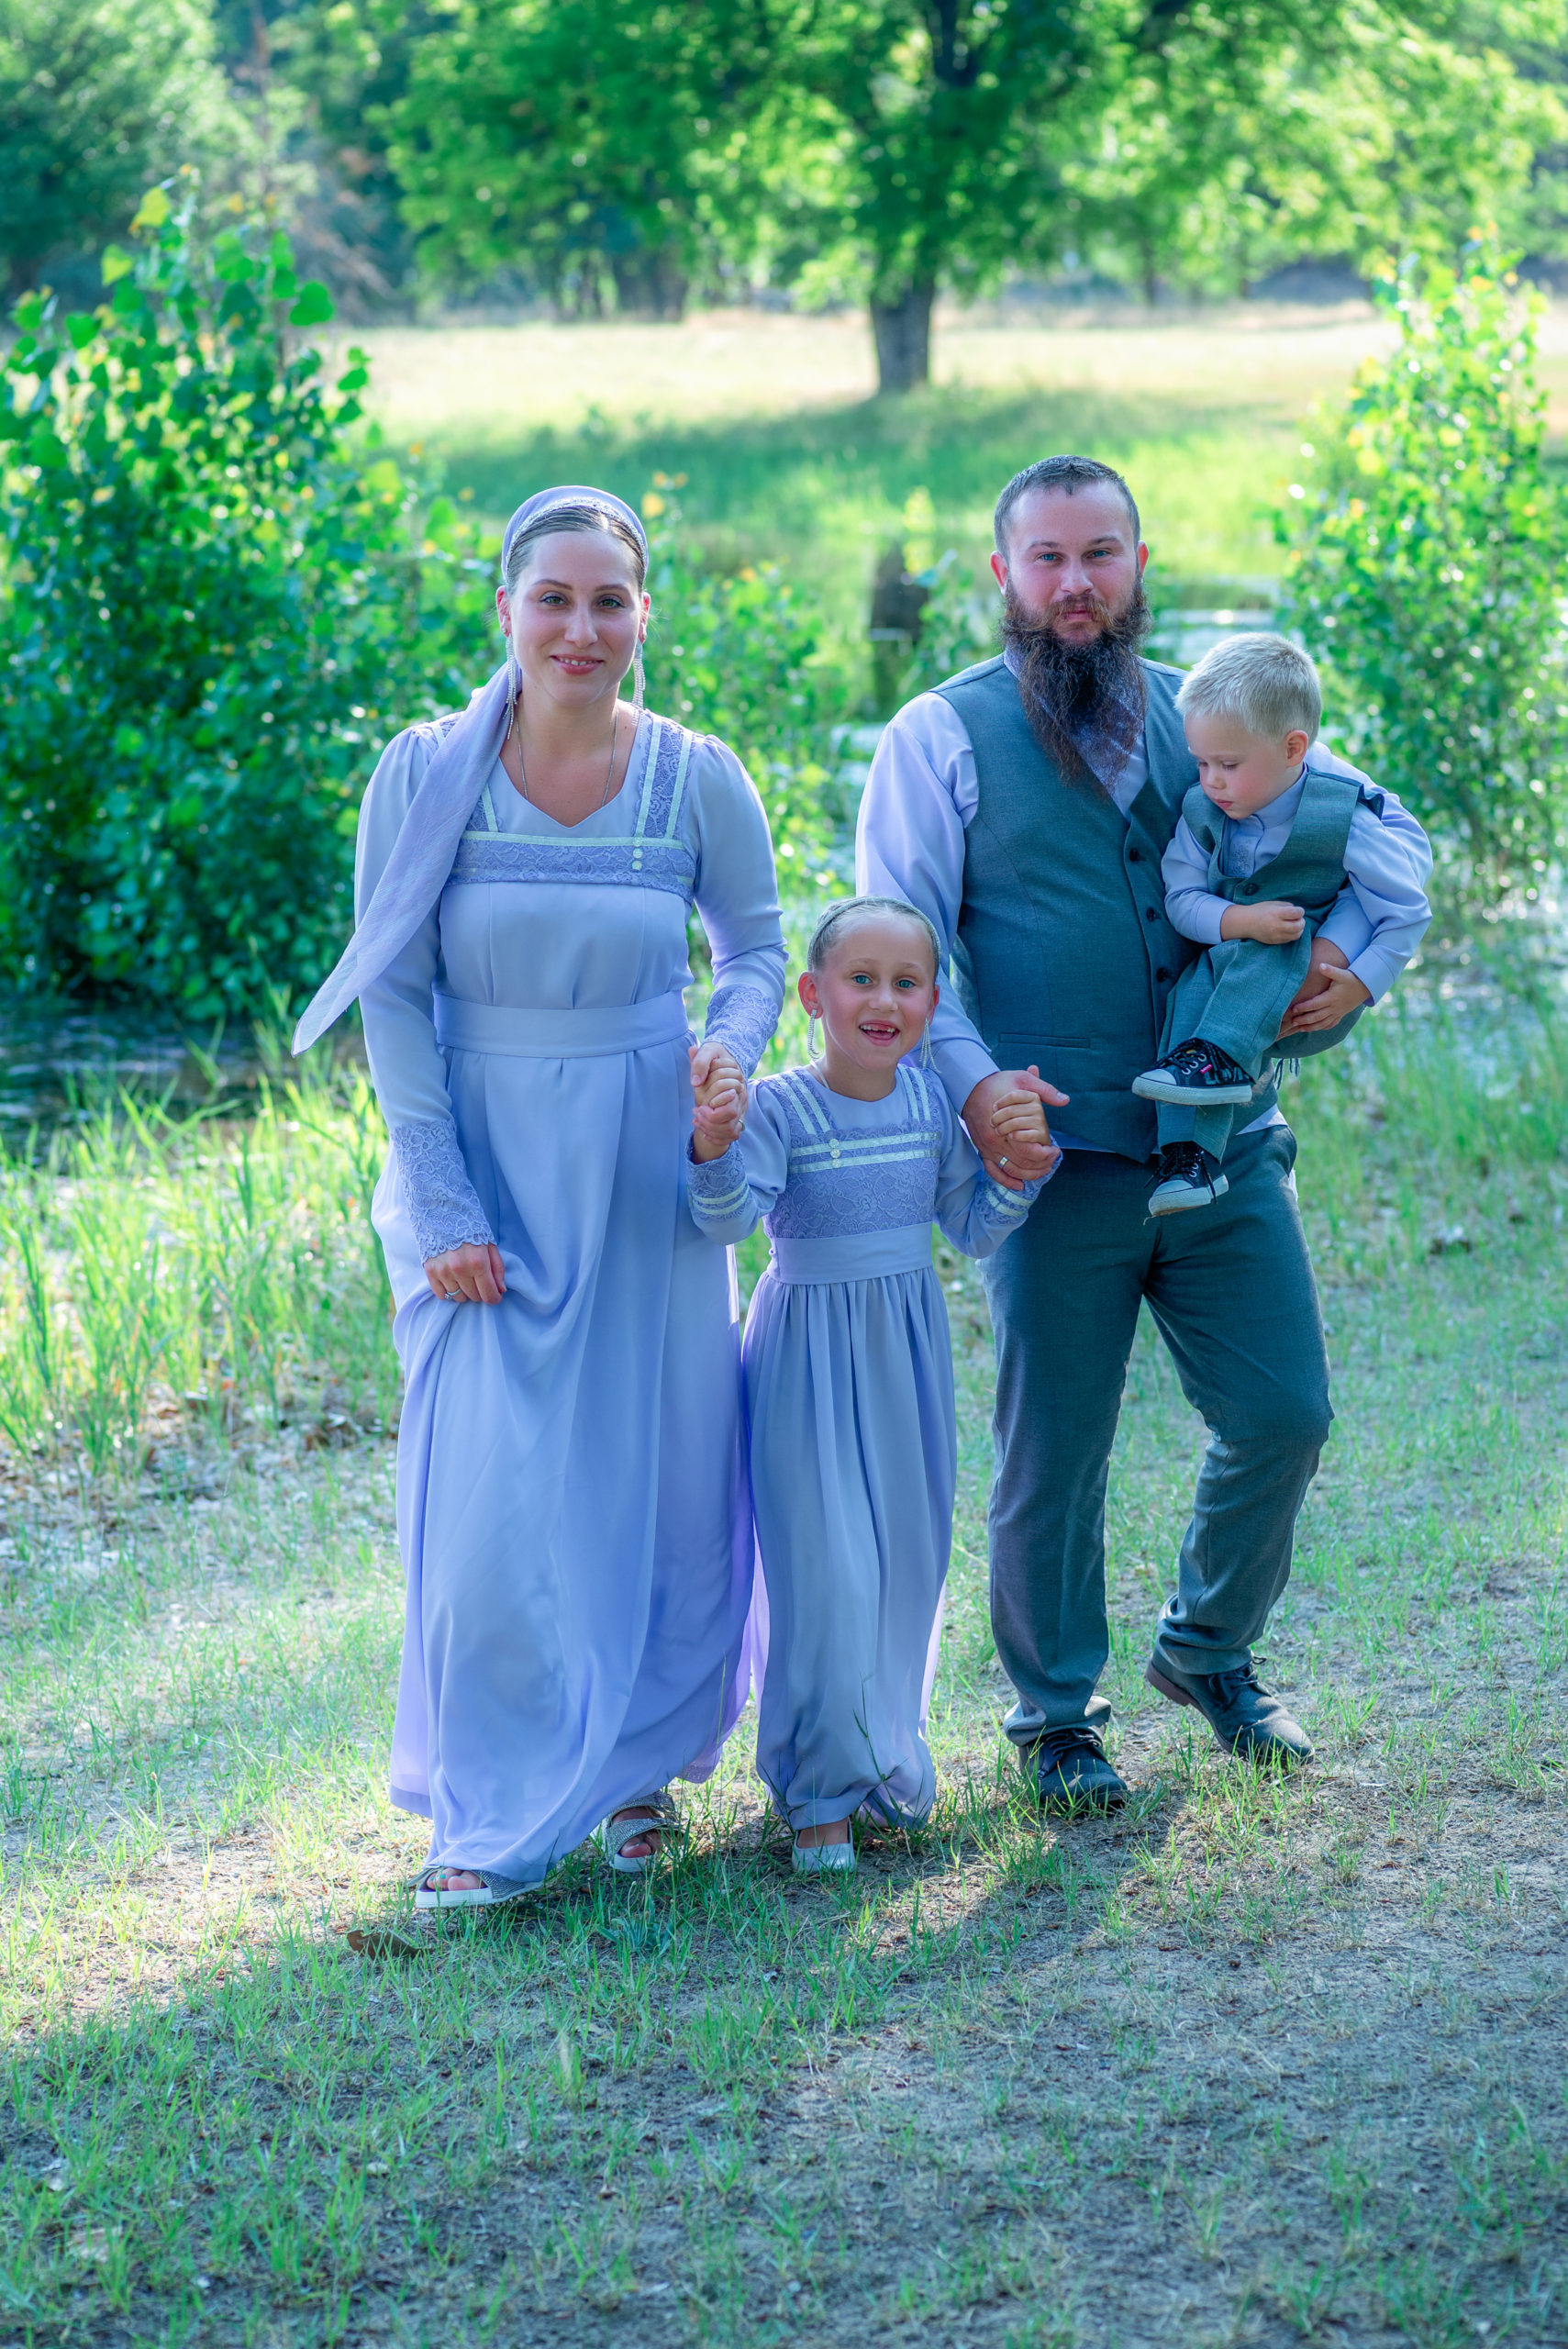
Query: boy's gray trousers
(1230, 1287)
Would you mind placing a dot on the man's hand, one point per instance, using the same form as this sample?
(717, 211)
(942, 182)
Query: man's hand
(1339, 996)
(1323, 987)
(1013, 1154)
(472, 1274)
(1276, 922)
(719, 1086)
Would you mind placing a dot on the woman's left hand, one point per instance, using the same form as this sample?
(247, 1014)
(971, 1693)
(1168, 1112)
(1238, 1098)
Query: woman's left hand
(469, 1275)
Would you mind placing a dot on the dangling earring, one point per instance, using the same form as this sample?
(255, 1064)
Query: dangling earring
(514, 687)
(925, 1047)
(811, 1037)
(639, 686)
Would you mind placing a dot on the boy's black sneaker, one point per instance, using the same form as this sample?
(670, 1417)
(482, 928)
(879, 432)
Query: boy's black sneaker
(1195, 1073)
(1187, 1179)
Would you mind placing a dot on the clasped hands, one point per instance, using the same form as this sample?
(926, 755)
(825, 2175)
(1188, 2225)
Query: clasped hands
(718, 1087)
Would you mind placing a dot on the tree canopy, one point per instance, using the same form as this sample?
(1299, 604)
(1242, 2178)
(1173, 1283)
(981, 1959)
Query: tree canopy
(97, 99)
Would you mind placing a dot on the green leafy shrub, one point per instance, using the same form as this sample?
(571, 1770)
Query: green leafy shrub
(214, 609)
(1426, 568)
(740, 655)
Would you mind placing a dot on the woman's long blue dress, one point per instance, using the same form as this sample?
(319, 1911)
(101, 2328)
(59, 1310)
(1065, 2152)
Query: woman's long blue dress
(572, 1503)
(853, 1437)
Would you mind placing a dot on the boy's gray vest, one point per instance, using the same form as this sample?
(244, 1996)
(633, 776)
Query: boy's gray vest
(1063, 955)
(1309, 870)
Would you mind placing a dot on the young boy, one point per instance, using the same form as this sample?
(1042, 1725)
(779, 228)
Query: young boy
(1268, 812)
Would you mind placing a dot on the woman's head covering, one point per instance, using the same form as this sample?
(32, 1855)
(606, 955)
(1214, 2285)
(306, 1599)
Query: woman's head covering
(572, 493)
(415, 872)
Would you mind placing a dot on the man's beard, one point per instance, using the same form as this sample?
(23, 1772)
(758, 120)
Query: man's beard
(1073, 692)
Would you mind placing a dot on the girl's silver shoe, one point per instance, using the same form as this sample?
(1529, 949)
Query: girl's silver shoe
(816, 1859)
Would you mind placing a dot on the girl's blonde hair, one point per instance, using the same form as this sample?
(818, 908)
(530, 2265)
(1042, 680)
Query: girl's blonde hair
(840, 910)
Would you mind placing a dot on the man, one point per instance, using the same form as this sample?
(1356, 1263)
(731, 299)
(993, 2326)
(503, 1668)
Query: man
(1024, 806)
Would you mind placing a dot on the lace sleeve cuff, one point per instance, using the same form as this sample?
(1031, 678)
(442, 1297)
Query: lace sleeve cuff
(442, 1204)
(744, 1019)
(1002, 1210)
(717, 1187)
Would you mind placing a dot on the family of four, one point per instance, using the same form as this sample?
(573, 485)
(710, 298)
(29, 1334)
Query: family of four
(1089, 886)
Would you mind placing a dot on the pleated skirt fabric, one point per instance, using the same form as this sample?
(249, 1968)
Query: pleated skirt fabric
(853, 1456)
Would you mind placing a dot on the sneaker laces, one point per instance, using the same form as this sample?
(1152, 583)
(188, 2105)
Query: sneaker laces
(1195, 1058)
(1183, 1162)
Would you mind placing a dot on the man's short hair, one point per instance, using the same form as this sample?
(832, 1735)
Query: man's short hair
(1264, 683)
(1069, 473)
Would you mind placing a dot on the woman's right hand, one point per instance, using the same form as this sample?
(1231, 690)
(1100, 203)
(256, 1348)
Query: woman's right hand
(472, 1274)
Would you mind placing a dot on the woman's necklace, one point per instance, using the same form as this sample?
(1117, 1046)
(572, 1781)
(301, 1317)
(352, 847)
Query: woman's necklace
(522, 778)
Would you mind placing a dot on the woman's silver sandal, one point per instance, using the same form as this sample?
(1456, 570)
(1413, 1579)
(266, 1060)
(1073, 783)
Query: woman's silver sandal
(816, 1859)
(491, 1892)
(613, 1834)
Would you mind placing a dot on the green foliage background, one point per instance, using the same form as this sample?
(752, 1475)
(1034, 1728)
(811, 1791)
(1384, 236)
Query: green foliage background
(220, 600)
(212, 604)
(1427, 575)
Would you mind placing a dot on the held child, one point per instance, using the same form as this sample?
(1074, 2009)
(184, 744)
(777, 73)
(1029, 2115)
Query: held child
(1269, 811)
(848, 1369)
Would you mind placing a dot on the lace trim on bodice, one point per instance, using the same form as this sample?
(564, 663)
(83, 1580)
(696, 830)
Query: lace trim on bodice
(629, 863)
(845, 1181)
(651, 856)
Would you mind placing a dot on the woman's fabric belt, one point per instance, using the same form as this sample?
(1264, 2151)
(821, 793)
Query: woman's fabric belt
(587, 1034)
(854, 1256)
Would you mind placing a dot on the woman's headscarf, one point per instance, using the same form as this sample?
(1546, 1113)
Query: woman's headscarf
(415, 872)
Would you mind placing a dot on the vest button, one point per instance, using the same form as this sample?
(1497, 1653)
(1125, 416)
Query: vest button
(1150, 913)
(1135, 856)
(1161, 975)
(1250, 888)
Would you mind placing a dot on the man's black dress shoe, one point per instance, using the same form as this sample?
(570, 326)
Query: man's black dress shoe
(1244, 1715)
(1071, 1772)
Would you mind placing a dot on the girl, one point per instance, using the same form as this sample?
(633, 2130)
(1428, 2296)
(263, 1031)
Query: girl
(848, 1367)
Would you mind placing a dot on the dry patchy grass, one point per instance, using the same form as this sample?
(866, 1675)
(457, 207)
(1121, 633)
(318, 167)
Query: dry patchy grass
(1262, 2060)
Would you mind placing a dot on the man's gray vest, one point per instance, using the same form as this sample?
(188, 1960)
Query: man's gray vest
(1063, 956)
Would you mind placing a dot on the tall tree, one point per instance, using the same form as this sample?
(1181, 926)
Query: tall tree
(97, 99)
(1365, 130)
(939, 131)
(604, 145)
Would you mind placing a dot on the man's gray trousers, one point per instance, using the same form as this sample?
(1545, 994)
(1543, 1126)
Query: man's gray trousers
(1231, 1290)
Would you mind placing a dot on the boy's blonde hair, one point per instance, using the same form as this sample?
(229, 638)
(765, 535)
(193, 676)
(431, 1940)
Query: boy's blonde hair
(1264, 683)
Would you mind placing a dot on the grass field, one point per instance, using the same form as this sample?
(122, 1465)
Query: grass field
(1261, 2061)
(787, 454)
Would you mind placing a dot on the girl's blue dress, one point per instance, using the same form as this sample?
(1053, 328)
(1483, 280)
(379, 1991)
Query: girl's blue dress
(848, 1371)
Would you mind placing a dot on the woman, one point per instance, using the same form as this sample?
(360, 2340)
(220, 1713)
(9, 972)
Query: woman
(572, 1500)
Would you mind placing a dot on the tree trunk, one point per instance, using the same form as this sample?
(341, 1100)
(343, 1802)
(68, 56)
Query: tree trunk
(649, 283)
(903, 331)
